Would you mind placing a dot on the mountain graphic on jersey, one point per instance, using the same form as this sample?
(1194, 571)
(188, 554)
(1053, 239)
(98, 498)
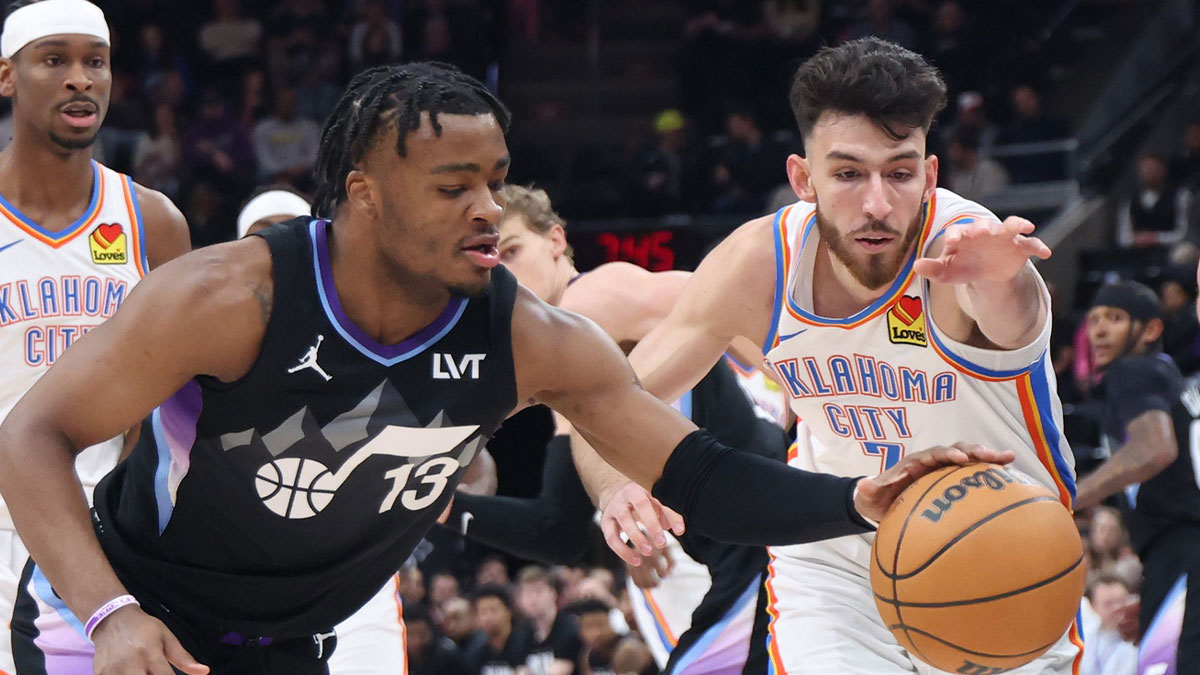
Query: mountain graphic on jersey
(301, 487)
(107, 242)
(906, 322)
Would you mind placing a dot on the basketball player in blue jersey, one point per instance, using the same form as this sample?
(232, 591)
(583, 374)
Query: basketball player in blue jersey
(319, 391)
(896, 315)
(1149, 414)
(75, 236)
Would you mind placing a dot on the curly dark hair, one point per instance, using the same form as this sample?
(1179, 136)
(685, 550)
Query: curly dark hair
(387, 97)
(896, 88)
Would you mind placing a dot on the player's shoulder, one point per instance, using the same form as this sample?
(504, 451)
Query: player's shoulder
(219, 278)
(751, 244)
(167, 234)
(1142, 373)
(951, 207)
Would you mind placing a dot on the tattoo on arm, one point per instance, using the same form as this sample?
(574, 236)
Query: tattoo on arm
(264, 297)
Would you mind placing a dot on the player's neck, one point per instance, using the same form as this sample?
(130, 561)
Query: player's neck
(836, 293)
(564, 272)
(46, 186)
(386, 304)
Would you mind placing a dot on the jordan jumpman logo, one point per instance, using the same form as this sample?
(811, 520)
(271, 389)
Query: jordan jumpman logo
(309, 360)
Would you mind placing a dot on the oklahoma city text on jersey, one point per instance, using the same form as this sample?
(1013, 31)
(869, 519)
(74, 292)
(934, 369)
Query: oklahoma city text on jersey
(50, 297)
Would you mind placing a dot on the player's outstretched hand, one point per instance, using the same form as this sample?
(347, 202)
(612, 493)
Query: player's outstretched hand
(983, 251)
(643, 520)
(131, 642)
(873, 496)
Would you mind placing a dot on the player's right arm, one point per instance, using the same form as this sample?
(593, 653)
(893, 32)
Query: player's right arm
(204, 313)
(729, 297)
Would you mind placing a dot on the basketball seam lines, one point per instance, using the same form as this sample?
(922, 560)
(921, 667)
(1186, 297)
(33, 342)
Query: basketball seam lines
(958, 537)
(972, 652)
(999, 596)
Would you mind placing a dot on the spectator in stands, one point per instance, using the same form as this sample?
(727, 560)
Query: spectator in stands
(125, 125)
(632, 656)
(1108, 544)
(556, 646)
(970, 174)
(1181, 332)
(442, 587)
(971, 117)
(318, 91)
(412, 586)
(376, 39)
(660, 175)
(747, 168)
(230, 39)
(1157, 212)
(216, 146)
(720, 37)
(491, 572)
(294, 40)
(253, 105)
(286, 144)
(428, 652)
(1108, 653)
(955, 48)
(1187, 164)
(597, 635)
(794, 21)
(502, 643)
(881, 21)
(1031, 124)
(156, 159)
(458, 621)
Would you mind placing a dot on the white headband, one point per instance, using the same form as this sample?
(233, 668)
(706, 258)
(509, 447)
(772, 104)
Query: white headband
(51, 17)
(273, 203)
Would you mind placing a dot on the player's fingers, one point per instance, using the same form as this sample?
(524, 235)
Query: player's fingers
(612, 536)
(930, 268)
(648, 512)
(1019, 225)
(662, 563)
(633, 531)
(179, 657)
(672, 520)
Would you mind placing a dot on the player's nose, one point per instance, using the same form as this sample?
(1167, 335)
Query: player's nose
(487, 208)
(77, 78)
(875, 202)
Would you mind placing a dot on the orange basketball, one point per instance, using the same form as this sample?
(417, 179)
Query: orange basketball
(977, 569)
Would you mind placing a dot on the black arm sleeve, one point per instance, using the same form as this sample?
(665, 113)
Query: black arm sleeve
(741, 498)
(551, 528)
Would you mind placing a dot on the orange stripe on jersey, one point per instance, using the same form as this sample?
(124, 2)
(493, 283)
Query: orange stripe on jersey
(773, 642)
(76, 230)
(1041, 446)
(135, 232)
(400, 620)
(960, 367)
(659, 619)
(793, 451)
(897, 289)
(1077, 640)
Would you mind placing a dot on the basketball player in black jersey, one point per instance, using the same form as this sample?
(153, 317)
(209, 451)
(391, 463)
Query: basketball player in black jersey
(1149, 417)
(319, 390)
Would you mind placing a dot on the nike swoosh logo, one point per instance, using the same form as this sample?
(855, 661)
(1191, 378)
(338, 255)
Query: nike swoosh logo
(8, 246)
(789, 337)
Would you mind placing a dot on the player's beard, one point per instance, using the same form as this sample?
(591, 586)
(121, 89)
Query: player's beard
(72, 143)
(879, 269)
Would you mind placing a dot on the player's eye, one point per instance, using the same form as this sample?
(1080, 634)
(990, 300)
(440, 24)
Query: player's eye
(452, 191)
(846, 174)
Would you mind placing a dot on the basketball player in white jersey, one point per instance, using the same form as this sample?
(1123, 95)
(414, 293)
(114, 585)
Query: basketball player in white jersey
(75, 236)
(895, 314)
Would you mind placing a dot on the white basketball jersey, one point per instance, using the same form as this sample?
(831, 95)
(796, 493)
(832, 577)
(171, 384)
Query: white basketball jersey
(885, 382)
(55, 287)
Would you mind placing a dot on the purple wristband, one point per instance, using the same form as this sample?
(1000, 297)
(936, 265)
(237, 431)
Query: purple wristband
(106, 609)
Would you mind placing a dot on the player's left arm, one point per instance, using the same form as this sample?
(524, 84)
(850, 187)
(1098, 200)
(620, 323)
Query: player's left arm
(167, 235)
(1140, 400)
(983, 285)
(625, 300)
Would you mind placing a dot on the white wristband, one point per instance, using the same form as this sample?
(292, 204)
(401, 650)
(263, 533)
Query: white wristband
(106, 609)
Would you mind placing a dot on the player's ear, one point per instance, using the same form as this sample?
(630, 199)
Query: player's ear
(931, 177)
(8, 79)
(800, 176)
(360, 192)
(558, 240)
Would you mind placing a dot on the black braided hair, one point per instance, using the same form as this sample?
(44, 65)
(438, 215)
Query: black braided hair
(386, 97)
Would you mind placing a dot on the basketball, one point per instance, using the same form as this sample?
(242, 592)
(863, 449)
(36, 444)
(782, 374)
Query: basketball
(977, 569)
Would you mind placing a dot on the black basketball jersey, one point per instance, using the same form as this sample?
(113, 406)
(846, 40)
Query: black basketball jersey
(278, 504)
(1134, 385)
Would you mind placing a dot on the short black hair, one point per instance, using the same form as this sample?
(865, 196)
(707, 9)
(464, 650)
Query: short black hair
(386, 97)
(493, 591)
(893, 86)
(587, 606)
